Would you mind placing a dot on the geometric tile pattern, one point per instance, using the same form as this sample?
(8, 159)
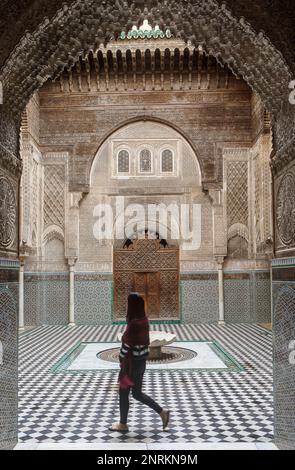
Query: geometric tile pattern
(46, 299)
(205, 406)
(32, 302)
(204, 294)
(237, 292)
(284, 368)
(262, 309)
(55, 299)
(237, 193)
(93, 302)
(54, 190)
(8, 365)
(252, 293)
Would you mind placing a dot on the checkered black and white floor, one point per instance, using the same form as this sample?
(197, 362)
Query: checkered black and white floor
(206, 406)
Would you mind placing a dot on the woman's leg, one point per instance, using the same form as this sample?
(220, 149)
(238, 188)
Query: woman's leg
(137, 393)
(124, 404)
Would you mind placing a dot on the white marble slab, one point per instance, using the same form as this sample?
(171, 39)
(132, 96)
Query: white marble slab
(206, 358)
(142, 446)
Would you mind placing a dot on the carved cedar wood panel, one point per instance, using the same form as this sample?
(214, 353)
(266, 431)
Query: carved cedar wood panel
(153, 271)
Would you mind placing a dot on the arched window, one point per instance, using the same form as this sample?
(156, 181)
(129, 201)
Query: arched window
(123, 161)
(145, 159)
(167, 161)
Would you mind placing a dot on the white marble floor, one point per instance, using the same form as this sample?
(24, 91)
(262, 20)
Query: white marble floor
(143, 446)
(205, 358)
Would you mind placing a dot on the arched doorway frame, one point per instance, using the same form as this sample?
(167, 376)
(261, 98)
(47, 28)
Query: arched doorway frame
(228, 38)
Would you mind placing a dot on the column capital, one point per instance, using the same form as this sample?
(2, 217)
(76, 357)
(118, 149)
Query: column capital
(72, 262)
(74, 199)
(24, 252)
(220, 261)
(216, 196)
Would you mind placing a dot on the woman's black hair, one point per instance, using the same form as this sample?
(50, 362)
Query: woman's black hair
(135, 308)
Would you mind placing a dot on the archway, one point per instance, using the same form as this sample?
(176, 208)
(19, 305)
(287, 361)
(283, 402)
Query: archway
(151, 268)
(203, 22)
(148, 262)
(242, 56)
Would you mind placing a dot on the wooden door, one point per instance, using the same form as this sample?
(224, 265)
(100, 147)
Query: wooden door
(148, 286)
(153, 271)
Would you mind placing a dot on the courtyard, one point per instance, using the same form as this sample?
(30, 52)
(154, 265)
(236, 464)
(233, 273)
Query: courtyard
(207, 406)
(147, 147)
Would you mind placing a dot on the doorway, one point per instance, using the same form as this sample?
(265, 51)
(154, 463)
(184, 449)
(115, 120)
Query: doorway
(148, 286)
(148, 267)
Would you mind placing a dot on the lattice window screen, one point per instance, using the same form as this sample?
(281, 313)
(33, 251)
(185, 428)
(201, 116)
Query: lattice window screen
(123, 161)
(167, 161)
(145, 161)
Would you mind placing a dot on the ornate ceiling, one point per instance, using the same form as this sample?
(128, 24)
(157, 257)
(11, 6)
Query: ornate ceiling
(275, 17)
(39, 39)
(83, 25)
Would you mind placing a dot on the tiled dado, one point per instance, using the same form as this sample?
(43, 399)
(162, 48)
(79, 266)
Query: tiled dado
(283, 274)
(227, 275)
(247, 297)
(32, 277)
(46, 298)
(283, 262)
(93, 277)
(8, 275)
(93, 298)
(9, 263)
(8, 350)
(199, 300)
(283, 289)
(212, 276)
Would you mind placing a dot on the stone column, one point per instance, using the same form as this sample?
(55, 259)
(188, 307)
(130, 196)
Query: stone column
(220, 261)
(21, 295)
(72, 263)
(220, 244)
(23, 254)
(72, 246)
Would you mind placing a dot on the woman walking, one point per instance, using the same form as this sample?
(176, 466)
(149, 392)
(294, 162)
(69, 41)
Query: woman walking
(133, 355)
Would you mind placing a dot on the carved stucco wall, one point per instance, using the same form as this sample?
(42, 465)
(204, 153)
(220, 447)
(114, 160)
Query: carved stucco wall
(283, 302)
(262, 196)
(282, 126)
(236, 173)
(253, 56)
(208, 118)
(8, 213)
(184, 187)
(285, 211)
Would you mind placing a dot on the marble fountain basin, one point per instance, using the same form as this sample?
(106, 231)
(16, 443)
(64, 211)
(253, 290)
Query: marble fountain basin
(158, 339)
